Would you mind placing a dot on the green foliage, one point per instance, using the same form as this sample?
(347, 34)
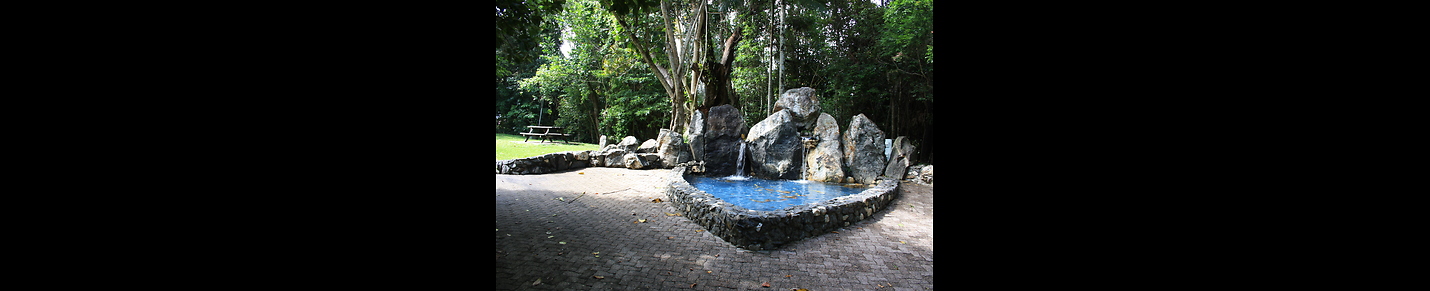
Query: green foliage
(861, 57)
(601, 88)
(519, 28)
(624, 7)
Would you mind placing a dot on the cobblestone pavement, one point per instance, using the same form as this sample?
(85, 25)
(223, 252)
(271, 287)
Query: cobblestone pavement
(548, 230)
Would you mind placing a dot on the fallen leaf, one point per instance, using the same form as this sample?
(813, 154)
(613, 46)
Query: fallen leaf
(766, 285)
(692, 285)
(640, 221)
(787, 276)
(599, 277)
(657, 200)
(550, 236)
(538, 282)
(836, 232)
(707, 272)
(596, 253)
(699, 230)
(581, 173)
(672, 214)
(562, 242)
(902, 242)
(669, 237)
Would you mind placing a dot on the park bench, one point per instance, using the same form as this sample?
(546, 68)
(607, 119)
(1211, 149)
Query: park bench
(545, 133)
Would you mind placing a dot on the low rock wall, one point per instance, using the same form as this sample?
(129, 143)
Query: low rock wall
(555, 162)
(769, 230)
(546, 163)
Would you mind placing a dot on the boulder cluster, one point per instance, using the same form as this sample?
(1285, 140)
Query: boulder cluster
(713, 142)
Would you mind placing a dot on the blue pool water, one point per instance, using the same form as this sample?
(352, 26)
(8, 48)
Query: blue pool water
(769, 195)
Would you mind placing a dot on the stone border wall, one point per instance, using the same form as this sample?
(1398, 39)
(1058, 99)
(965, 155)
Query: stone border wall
(546, 163)
(555, 162)
(769, 230)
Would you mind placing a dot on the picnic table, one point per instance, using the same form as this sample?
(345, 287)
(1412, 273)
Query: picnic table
(546, 131)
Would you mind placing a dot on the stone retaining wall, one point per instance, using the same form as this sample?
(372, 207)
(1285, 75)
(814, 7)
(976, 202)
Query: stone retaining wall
(544, 163)
(554, 162)
(768, 230)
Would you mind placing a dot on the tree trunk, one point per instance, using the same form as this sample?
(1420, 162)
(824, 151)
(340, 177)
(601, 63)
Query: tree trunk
(678, 116)
(719, 87)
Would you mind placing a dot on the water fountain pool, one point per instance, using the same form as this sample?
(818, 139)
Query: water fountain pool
(727, 208)
(769, 195)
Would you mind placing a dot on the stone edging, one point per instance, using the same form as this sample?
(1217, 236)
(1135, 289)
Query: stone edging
(768, 230)
(545, 163)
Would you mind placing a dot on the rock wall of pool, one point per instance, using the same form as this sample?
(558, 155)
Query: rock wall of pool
(769, 230)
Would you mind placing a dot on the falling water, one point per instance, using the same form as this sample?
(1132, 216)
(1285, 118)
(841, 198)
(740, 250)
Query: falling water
(803, 157)
(740, 164)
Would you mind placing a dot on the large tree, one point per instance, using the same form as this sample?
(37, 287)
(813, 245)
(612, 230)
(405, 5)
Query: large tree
(689, 72)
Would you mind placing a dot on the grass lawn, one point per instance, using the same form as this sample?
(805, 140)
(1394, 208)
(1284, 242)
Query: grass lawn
(509, 146)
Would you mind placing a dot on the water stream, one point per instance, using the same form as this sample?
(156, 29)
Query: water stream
(740, 166)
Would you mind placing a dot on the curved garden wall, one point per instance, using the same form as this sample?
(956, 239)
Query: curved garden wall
(768, 230)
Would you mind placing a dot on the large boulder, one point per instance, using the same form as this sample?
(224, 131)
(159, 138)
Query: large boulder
(672, 149)
(802, 102)
(652, 161)
(629, 144)
(615, 158)
(634, 161)
(697, 124)
(649, 146)
(900, 158)
(826, 161)
(863, 150)
(581, 155)
(598, 156)
(724, 126)
(774, 147)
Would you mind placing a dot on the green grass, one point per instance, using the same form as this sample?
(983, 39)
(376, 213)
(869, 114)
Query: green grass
(509, 146)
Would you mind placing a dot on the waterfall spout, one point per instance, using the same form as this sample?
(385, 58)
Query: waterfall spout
(740, 163)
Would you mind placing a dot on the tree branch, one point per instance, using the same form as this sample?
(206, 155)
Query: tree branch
(660, 73)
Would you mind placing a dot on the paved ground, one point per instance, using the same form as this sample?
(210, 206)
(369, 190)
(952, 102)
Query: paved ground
(893, 250)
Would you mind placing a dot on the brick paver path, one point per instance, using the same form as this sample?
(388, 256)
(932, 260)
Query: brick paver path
(535, 213)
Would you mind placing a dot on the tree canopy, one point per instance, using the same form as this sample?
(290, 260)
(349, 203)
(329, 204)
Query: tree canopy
(637, 66)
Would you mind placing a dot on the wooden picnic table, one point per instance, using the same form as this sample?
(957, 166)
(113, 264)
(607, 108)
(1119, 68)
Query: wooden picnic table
(546, 131)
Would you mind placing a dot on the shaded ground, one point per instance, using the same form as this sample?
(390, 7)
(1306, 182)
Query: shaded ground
(666, 252)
